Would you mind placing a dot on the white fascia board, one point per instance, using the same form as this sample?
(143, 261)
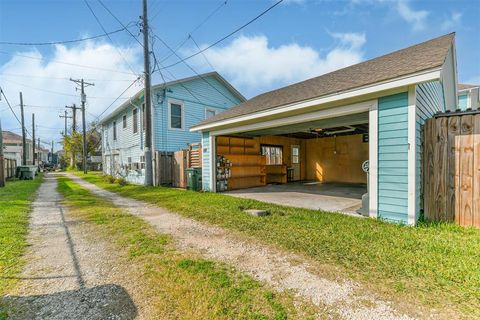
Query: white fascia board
(373, 160)
(291, 120)
(411, 160)
(430, 75)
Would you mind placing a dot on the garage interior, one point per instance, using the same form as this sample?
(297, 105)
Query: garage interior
(315, 165)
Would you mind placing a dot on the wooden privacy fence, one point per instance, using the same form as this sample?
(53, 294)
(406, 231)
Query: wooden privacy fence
(163, 168)
(451, 169)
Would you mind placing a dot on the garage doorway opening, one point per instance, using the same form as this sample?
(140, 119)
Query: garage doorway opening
(315, 165)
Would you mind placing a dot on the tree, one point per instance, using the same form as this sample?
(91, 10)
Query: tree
(73, 145)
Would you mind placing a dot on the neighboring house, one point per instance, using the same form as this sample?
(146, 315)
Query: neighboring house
(468, 96)
(317, 127)
(177, 105)
(13, 149)
(43, 155)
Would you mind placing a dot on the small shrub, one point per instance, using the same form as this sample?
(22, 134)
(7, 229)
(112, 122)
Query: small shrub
(108, 178)
(121, 181)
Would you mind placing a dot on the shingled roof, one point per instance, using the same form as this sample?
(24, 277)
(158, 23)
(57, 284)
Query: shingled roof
(462, 86)
(411, 60)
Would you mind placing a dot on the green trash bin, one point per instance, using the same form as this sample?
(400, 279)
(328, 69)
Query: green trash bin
(194, 178)
(25, 173)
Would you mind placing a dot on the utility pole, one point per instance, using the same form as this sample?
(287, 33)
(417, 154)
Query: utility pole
(74, 115)
(51, 160)
(148, 100)
(38, 152)
(33, 138)
(83, 99)
(2, 164)
(66, 117)
(24, 138)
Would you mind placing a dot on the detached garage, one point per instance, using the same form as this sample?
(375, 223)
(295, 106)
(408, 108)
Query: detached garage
(310, 140)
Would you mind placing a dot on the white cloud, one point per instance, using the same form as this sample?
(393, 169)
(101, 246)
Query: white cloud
(452, 21)
(254, 66)
(42, 80)
(416, 18)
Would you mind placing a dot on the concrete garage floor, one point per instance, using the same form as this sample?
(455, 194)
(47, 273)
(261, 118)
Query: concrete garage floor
(337, 197)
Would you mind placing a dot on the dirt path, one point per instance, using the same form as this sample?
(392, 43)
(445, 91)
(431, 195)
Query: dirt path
(67, 274)
(283, 271)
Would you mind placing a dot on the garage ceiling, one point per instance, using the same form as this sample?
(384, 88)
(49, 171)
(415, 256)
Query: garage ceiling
(345, 125)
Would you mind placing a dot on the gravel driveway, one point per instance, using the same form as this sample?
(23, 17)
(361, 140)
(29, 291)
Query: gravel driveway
(281, 270)
(67, 274)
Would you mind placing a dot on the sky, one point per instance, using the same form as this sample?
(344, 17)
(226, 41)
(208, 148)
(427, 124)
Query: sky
(296, 40)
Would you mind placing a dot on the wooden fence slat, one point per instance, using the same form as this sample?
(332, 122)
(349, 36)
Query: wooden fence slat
(428, 169)
(476, 172)
(453, 168)
(440, 168)
(466, 170)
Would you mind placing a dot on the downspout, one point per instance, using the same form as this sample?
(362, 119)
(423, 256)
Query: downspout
(141, 122)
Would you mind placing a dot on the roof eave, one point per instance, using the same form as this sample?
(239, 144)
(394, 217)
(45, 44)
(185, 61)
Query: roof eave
(419, 77)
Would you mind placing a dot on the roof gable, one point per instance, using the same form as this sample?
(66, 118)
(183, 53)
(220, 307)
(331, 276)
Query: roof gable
(421, 57)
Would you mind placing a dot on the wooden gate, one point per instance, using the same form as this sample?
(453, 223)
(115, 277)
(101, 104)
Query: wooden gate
(451, 169)
(163, 168)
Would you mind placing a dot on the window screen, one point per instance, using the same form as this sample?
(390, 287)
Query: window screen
(209, 113)
(273, 154)
(124, 121)
(175, 116)
(295, 155)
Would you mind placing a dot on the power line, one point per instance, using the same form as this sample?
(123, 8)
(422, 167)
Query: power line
(10, 106)
(225, 37)
(63, 41)
(110, 38)
(55, 92)
(111, 104)
(118, 20)
(58, 78)
(203, 53)
(191, 68)
(67, 63)
(196, 28)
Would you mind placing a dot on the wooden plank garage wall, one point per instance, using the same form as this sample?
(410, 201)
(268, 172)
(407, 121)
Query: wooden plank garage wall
(336, 159)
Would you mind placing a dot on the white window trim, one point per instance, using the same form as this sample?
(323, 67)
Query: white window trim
(181, 103)
(210, 109)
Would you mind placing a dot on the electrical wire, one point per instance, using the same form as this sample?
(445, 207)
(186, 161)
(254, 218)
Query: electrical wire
(225, 37)
(10, 106)
(64, 41)
(67, 63)
(60, 78)
(203, 53)
(118, 20)
(194, 71)
(111, 104)
(110, 38)
(195, 29)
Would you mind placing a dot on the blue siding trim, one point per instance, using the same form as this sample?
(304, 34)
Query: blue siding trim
(206, 158)
(393, 157)
(429, 100)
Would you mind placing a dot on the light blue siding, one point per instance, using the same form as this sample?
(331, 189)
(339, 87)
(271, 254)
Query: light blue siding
(393, 157)
(462, 101)
(206, 161)
(429, 100)
(196, 96)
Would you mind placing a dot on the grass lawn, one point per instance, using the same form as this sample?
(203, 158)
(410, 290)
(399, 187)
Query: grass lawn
(434, 265)
(177, 285)
(15, 204)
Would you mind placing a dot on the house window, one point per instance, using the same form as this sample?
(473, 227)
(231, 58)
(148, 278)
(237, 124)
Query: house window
(135, 120)
(176, 115)
(142, 158)
(273, 154)
(209, 113)
(124, 121)
(114, 130)
(295, 155)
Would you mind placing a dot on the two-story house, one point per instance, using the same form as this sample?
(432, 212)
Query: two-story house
(13, 147)
(176, 107)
